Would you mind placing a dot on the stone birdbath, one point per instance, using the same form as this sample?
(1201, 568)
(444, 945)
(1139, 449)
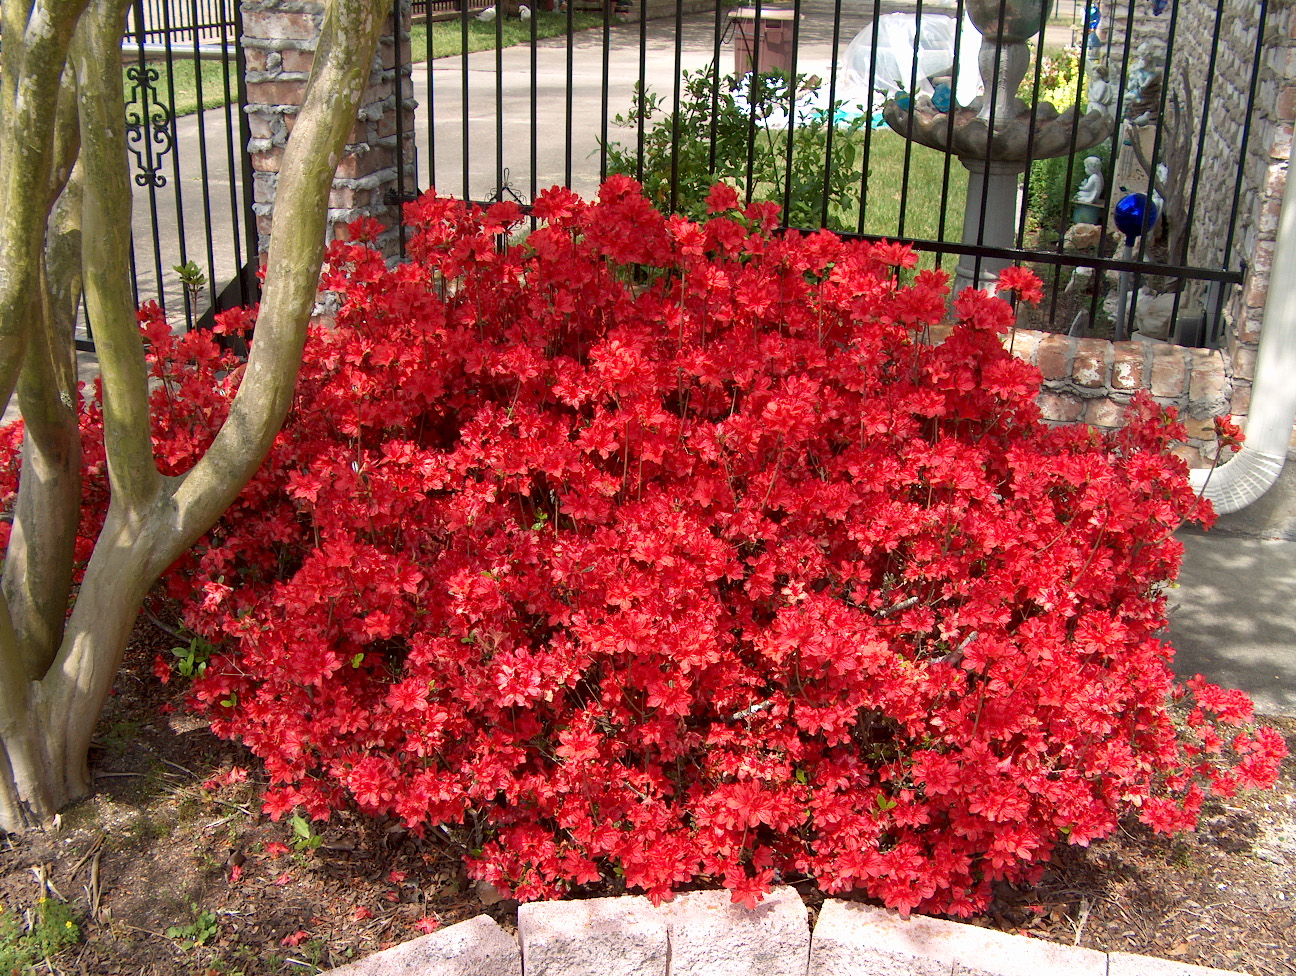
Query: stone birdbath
(997, 135)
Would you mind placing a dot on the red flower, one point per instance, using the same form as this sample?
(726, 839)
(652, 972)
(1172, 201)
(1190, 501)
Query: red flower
(722, 199)
(1023, 281)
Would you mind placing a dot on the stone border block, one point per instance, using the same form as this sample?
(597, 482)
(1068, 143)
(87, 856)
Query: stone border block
(1127, 964)
(857, 940)
(594, 937)
(711, 936)
(477, 947)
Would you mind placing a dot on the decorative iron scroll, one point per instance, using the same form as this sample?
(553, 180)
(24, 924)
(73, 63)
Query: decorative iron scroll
(148, 125)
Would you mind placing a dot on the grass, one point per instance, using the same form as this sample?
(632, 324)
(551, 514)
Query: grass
(926, 195)
(181, 78)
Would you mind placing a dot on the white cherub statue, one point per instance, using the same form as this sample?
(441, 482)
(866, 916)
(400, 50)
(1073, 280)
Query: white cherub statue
(1091, 188)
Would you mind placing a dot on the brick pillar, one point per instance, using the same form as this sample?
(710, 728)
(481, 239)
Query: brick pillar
(279, 38)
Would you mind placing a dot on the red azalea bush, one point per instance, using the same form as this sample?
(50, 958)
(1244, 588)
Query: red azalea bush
(672, 549)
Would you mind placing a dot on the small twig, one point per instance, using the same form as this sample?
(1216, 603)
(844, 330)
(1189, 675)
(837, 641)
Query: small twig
(896, 608)
(1085, 907)
(96, 889)
(188, 772)
(90, 851)
(165, 627)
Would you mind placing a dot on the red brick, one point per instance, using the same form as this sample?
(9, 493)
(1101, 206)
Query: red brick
(355, 165)
(1207, 380)
(377, 93)
(1105, 413)
(1286, 107)
(275, 92)
(347, 198)
(1252, 320)
(1244, 363)
(936, 334)
(1128, 369)
(1023, 343)
(1062, 408)
(254, 58)
(1240, 402)
(1169, 373)
(1280, 148)
(1052, 357)
(1090, 365)
(298, 61)
(1190, 454)
(267, 162)
(274, 25)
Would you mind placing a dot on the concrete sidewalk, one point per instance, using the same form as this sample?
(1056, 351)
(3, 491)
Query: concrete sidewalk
(1233, 615)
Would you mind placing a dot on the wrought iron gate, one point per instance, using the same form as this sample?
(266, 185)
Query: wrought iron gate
(194, 247)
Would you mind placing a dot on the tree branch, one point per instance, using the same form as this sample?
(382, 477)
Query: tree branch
(339, 76)
(106, 220)
(38, 565)
(26, 160)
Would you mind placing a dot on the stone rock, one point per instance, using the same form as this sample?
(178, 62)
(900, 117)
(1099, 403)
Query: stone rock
(1154, 312)
(1082, 237)
(1081, 280)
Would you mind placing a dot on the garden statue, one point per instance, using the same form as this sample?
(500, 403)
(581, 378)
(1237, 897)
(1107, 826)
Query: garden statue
(1088, 198)
(1091, 187)
(1102, 93)
(1143, 100)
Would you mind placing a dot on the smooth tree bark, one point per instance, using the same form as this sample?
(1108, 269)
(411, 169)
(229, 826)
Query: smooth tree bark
(65, 222)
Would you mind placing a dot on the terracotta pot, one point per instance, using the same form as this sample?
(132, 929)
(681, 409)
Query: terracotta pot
(1007, 21)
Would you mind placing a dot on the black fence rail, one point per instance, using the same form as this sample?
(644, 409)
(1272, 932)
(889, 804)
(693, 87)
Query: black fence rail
(864, 119)
(210, 23)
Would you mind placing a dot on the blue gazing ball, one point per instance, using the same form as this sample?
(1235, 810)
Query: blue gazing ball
(1134, 216)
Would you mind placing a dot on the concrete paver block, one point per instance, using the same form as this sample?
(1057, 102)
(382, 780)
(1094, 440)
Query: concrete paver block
(477, 947)
(1127, 964)
(595, 937)
(711, 936)
(855, 940)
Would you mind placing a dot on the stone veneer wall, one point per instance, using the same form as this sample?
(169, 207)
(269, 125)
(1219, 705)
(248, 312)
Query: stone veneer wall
(1264, 169)
(279, 42)
(1092, 381)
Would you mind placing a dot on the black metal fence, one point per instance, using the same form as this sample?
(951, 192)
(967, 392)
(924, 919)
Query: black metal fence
(840, 128)
(194, 246)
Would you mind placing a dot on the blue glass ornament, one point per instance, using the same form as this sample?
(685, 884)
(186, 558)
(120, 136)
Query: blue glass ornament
(1158, 6)
(941, 97)
(1095, 17)
(1134, 216)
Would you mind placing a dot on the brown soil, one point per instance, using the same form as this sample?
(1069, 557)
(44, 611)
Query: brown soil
(155, 850)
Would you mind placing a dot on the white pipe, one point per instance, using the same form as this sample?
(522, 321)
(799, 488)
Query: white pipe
(1255, 468)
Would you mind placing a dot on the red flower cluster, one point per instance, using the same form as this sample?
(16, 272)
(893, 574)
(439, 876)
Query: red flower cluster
(672, 549)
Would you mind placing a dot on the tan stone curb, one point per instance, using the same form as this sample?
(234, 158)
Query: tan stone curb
(703, 934)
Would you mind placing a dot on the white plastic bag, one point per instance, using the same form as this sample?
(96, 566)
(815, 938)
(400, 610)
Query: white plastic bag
(893, 68)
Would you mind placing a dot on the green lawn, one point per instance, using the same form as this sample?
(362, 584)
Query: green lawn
(926, 193)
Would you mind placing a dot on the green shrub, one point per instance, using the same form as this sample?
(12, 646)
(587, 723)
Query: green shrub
(717, 132)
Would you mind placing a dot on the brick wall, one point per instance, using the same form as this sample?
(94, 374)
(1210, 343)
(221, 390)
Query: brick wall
(279, 43)
(1092, 381)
